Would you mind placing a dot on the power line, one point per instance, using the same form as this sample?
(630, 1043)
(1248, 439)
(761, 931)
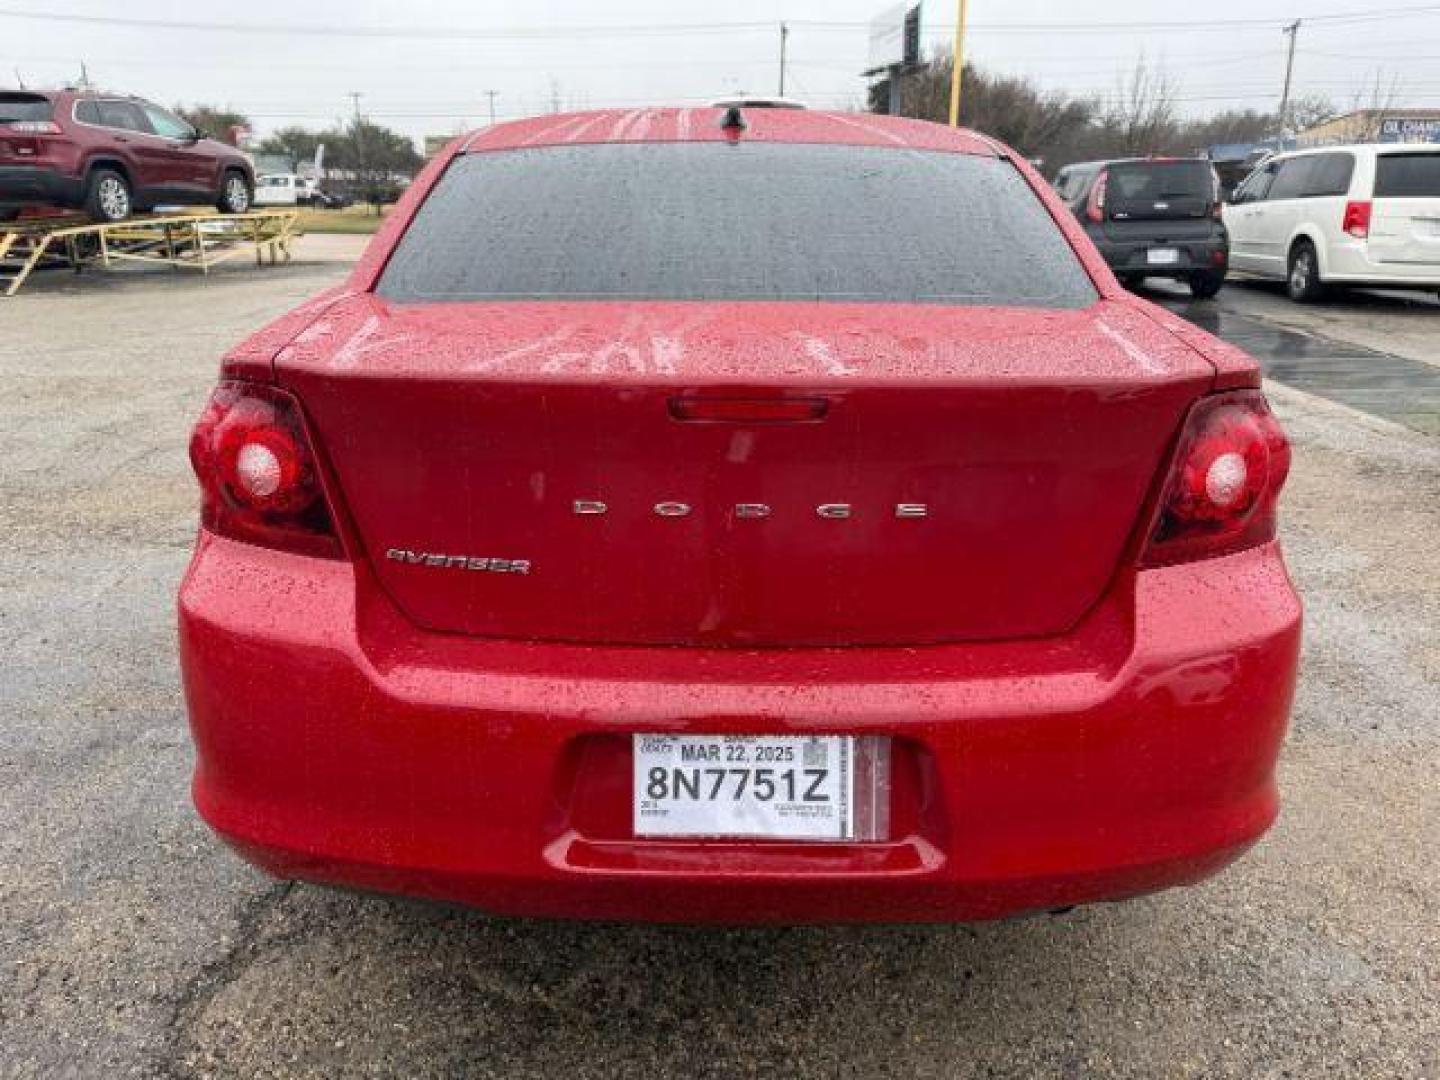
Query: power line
(469, 107)
(302, 65)
(1088, 26)
(1423, 101)
(445, 32)
(538, 105)
(227, 64)
(681, 29)
(1380, 57)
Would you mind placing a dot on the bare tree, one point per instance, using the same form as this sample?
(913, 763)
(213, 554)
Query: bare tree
(1038, 123)
(1312, 109)
(1142, 114)
(1141, 118)
(1230, 126)
(1369, 106)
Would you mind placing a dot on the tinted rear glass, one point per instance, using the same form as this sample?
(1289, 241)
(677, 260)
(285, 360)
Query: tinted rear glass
(753, 221)
(1407, 176)
(1159, 189)
(15, 107)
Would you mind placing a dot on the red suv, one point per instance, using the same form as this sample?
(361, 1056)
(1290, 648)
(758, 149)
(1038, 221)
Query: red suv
(778, 517)
(111, 156)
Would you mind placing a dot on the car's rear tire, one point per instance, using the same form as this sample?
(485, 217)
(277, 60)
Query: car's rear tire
(236, 197)
(1206, 284)
(1302, 277)
(108, 197)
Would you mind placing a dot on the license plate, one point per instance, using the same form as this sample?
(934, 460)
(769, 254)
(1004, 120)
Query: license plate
(773, 787)
(1162, 256)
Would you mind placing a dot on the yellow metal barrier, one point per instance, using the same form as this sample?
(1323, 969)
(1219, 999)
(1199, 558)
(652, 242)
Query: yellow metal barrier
(195, 241)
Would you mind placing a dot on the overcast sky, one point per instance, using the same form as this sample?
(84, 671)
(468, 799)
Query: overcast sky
(431, 75)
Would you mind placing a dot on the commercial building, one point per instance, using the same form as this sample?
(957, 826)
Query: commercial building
(1374, 125)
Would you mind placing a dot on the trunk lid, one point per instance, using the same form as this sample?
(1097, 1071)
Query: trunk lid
(464, 435)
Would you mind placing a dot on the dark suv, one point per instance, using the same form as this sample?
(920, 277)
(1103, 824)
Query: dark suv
(111, 155)
(1152, 217)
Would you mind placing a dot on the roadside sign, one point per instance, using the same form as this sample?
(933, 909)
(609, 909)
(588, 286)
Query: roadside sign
(1410, 129)
(895, 37)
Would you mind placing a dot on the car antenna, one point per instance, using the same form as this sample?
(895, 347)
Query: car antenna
(733, 121)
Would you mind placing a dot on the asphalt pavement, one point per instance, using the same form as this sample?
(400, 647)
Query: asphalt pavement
(133, 944)
(1371, 350)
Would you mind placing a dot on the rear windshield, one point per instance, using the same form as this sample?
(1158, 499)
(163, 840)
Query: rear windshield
(19, 107)
(1139, 189)
(750, 221)
(1407, 176)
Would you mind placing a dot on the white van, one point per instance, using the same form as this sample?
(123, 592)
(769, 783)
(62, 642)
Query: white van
(1341, 215)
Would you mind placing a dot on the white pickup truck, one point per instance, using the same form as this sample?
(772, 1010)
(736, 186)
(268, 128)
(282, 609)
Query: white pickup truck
(286, 189)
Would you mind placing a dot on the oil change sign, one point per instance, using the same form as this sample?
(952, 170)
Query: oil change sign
(1410, 129)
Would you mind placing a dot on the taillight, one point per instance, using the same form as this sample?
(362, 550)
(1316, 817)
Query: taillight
(1229, 467)
(1095, 205)
(1357, 219)
(257, 472)
(35, 127)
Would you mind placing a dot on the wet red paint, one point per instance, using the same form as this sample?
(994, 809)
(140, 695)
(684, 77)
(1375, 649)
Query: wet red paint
(1068, 727)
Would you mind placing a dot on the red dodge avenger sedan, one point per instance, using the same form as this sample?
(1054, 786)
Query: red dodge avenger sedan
(777, 516)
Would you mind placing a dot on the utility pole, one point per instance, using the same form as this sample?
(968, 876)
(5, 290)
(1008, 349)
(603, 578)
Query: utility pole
(361, 151)
(1292, 32)
(957, 62)
(784, 39)
(84, 76)
(491, 94)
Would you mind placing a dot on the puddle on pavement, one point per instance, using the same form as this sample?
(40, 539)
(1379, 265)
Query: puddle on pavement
(1392, 387)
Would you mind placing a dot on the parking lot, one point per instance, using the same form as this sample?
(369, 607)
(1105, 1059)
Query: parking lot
(133, 944)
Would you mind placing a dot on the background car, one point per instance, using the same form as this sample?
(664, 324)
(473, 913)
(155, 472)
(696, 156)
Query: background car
(332, 200)
(279, 189)
(111, 156)
(292, 189)
(1152, 217)
(1343, 215)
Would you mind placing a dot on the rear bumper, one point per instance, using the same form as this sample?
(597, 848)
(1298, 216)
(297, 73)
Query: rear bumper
(338, 744)
(22, 185)
(1130, 258)
(1350, 263)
